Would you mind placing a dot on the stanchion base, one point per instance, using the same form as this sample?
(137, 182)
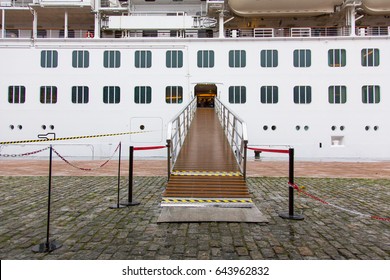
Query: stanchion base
(133, 203)
(46, 247)
(117, 206)
(291, 217)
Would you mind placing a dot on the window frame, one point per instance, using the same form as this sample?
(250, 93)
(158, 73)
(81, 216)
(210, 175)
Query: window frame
(237, 58)
(302, 58)
(370, 57)
(48, 95)
(80, 59)
(269, 58)
(80, 94)
(16, 94)
(337, 94)
(174, 59)
(371, 94)
(142, 59)
(302, 93)
(111, 94)
(337, 57)
(142, 95)
(269, 94)
(237, 94)
(112, 59)
(174, 93)
(206, 59)
(49, 59)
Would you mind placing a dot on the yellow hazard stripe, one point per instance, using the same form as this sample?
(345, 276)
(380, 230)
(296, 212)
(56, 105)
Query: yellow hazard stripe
(195, 200)
(71, 138)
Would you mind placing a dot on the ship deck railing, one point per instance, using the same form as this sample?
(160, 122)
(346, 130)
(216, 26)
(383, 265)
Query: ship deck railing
(300, 32)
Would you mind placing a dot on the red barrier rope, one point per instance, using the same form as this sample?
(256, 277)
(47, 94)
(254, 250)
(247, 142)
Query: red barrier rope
(148, 148)
(296, 187)
(24, 154)
(268, 150)
(82, 168)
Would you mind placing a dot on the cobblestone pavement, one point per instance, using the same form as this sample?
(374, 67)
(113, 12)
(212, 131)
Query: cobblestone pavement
(82, 221)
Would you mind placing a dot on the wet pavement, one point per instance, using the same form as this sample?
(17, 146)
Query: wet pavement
(87, 228)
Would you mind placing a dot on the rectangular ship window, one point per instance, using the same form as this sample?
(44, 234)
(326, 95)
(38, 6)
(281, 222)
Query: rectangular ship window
(111, 95)
(205, 59)
(80, 94)
(112, 59)
(80, 59)
(371, 94)
(337, 94)
(269, 94)
(49, 59)
(174, 59)
(302, 94)
(48, 94)
(143, 59)
(237, 58)
(174, 94)
(370, 57)
(237, 94)
(269, 58)
(302, 58)
(337, 58)
(143, 95)
(16, 94)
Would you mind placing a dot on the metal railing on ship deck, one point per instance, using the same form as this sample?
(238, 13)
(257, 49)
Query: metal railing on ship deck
(177, 131)
(236, 133)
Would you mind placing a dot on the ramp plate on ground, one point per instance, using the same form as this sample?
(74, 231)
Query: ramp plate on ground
(211, 214)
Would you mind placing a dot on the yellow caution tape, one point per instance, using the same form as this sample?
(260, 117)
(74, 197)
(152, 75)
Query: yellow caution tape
(70, 138)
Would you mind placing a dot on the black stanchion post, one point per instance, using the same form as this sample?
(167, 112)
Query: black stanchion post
(48, 246)
(290, 215)
(117, 205)
(130, 201)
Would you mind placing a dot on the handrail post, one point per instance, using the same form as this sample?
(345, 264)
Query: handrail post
(245, 158)
(169, 158)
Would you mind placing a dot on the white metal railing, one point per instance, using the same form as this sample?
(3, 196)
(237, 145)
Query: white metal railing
(236, 133)
(177, 131)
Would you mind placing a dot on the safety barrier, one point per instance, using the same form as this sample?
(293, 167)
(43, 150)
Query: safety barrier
(177, 131)
(290, 215)
(236, 133)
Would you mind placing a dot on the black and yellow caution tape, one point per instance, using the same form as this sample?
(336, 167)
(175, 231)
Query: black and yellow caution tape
(71, 138)
(206, 200)
(205, 173)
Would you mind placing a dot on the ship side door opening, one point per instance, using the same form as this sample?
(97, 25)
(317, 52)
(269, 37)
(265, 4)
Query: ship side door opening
(205, 94)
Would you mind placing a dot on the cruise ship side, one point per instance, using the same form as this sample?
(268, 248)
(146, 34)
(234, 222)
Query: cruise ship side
(308, 74)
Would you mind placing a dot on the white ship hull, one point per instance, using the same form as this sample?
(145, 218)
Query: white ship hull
(318, 130)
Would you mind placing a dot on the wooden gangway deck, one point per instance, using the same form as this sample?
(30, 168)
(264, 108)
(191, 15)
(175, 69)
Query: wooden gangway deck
(206, 166)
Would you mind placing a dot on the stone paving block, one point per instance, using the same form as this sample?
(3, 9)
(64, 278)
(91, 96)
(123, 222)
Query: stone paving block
(82, 222)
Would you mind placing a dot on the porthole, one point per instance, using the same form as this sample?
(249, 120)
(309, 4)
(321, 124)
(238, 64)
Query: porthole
(342, 128)
(333, 127)
(376, 128)
(142, 127)
(265, 127)
(297, 127)
(367, 128)
(51, 127)
(20, 127)
(306, 128)
(12, 127)
(43, 127)
(273, 127)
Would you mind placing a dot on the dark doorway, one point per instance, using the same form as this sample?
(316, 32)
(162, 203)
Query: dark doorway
(205, 94)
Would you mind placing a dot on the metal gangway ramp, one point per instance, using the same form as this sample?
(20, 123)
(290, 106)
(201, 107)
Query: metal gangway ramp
(206, 158)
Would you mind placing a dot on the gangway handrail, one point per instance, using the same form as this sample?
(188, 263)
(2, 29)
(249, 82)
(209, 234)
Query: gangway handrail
(177, 131)
(236, 132)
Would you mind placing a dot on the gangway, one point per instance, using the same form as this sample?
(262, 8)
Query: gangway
(207, 156)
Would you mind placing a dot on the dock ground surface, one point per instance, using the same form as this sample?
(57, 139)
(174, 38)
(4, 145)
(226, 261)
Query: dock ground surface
(354, 224)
